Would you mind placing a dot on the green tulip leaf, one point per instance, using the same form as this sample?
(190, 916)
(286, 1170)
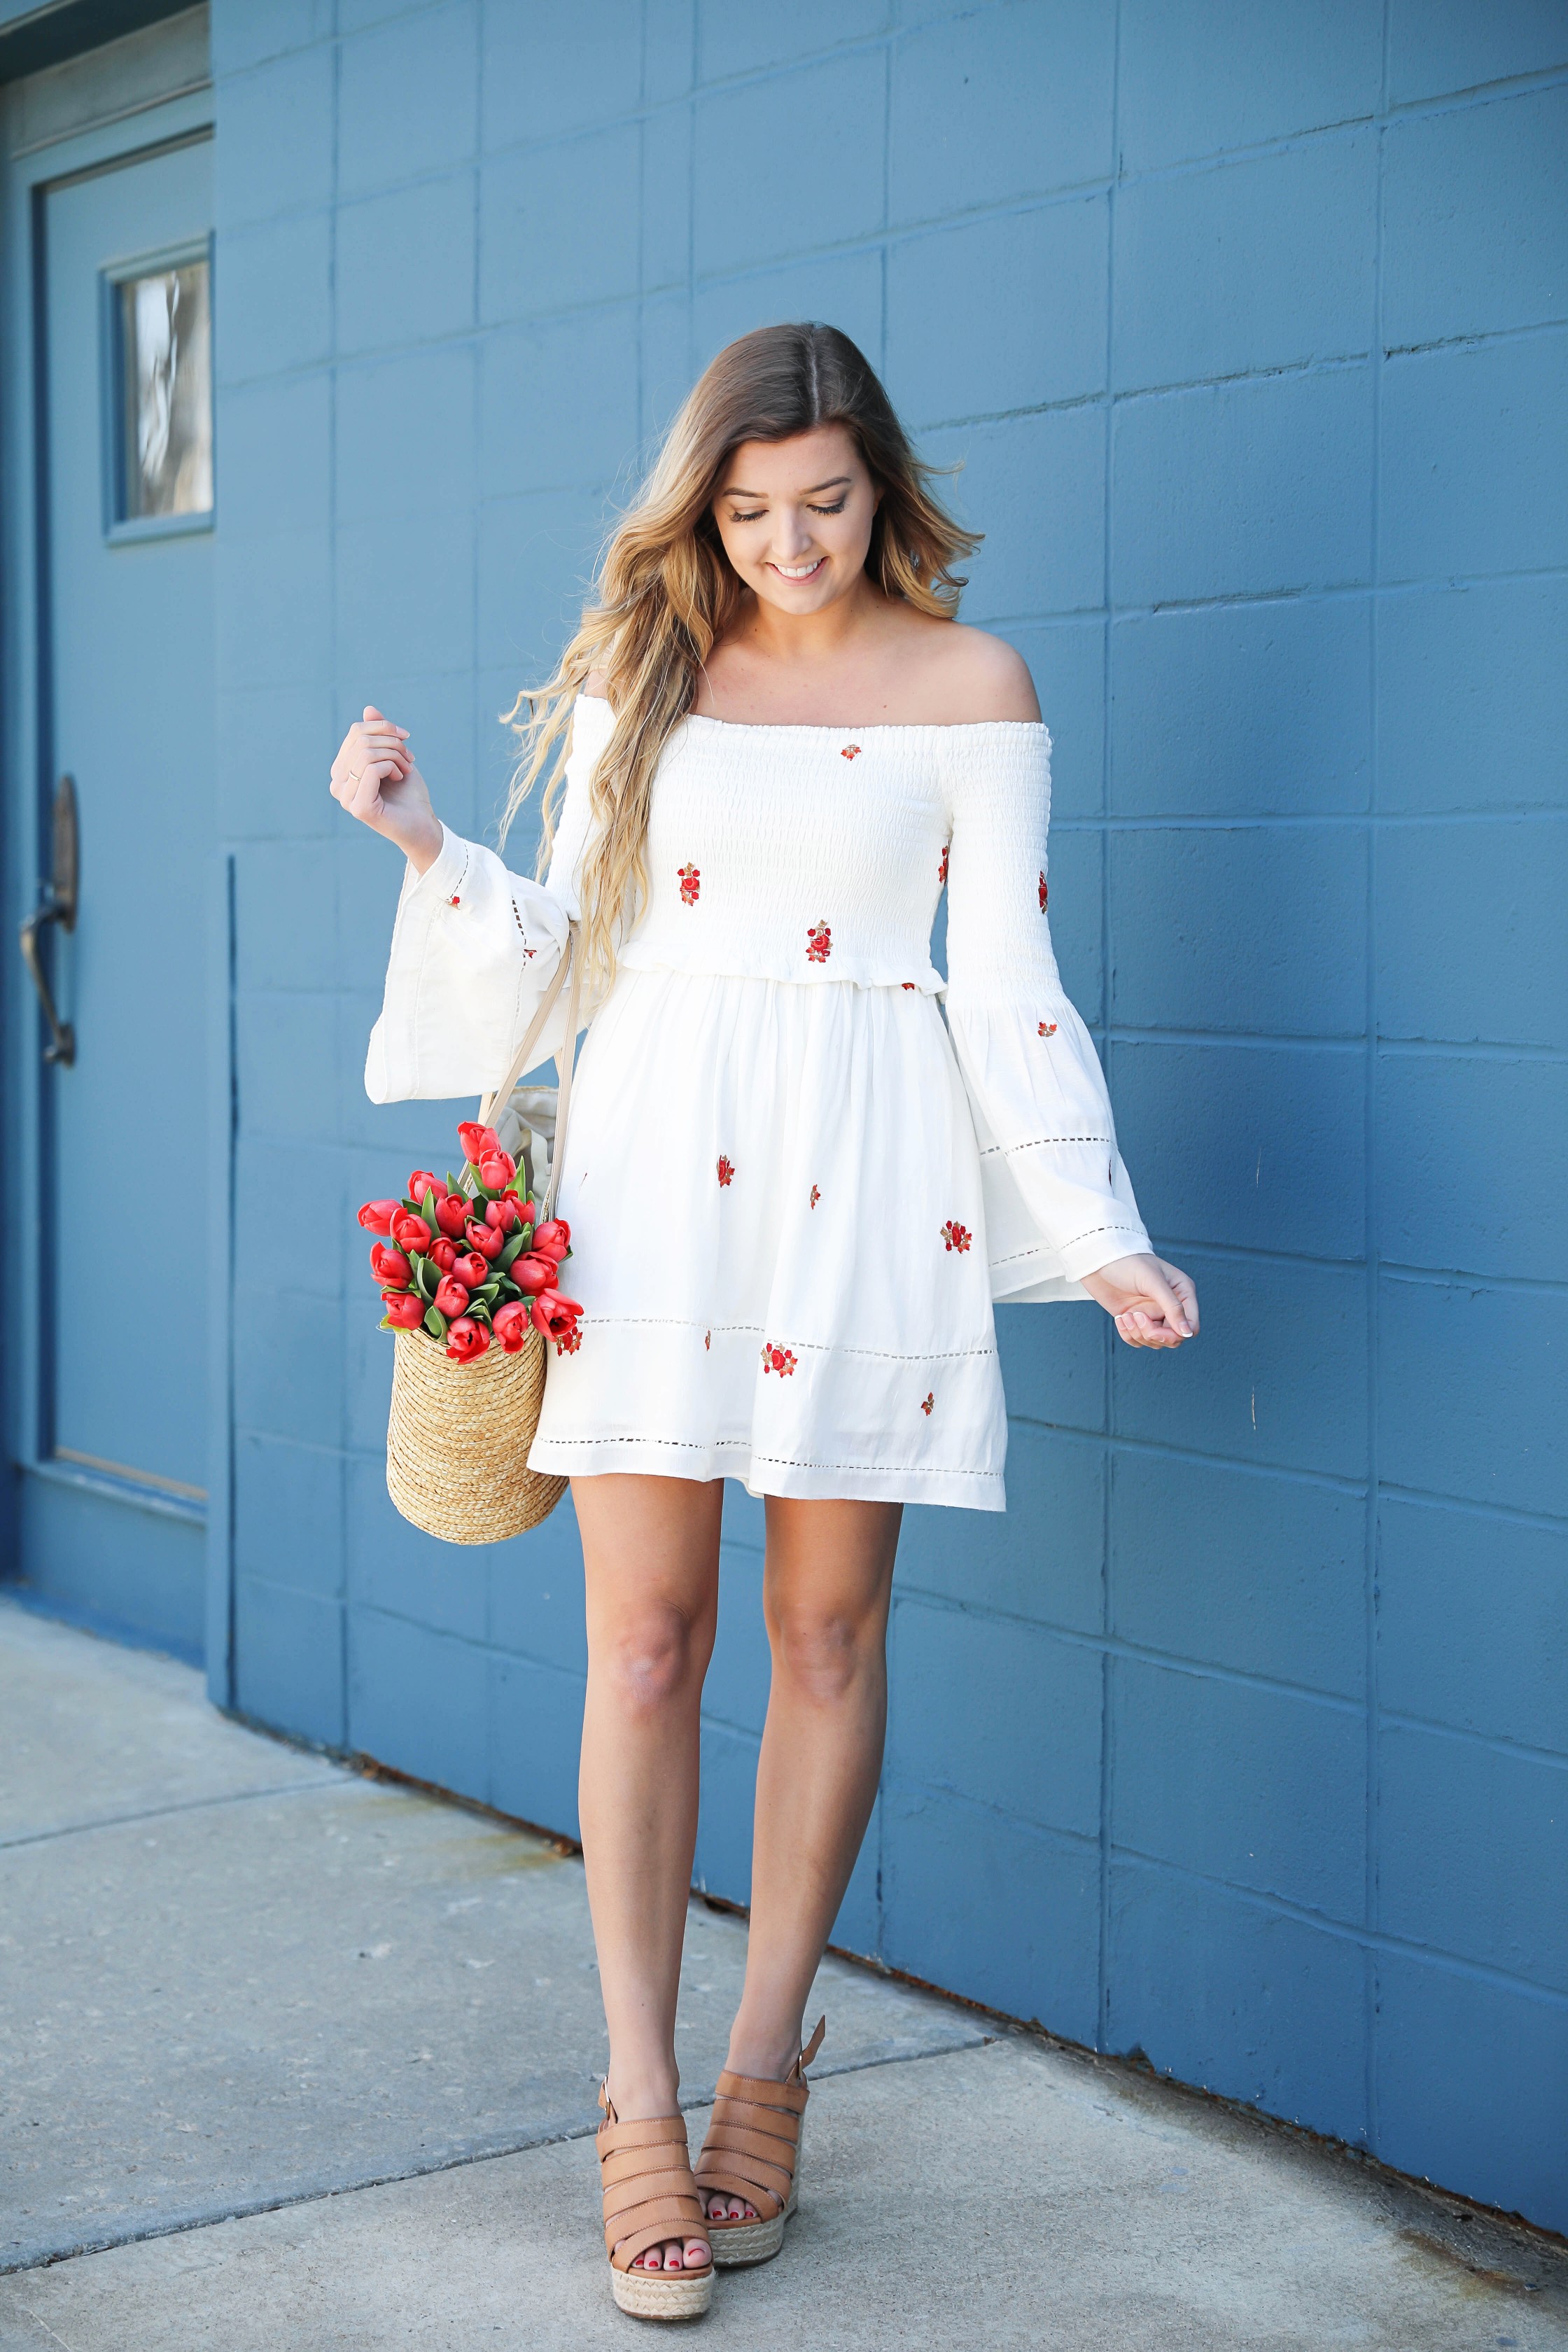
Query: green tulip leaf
(435, 1323)
(511, 1252)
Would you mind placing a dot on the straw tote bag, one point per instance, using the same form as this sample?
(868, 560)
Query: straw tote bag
(458, 1439)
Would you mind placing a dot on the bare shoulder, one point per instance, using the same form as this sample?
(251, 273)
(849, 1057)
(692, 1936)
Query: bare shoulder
(966, 676)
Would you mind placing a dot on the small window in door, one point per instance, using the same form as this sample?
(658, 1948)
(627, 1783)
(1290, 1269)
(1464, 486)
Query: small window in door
(161, 397)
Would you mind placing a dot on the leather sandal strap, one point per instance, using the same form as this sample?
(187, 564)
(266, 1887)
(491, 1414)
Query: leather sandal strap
(650, 2195)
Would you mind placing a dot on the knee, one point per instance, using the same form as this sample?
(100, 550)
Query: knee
(824, 1653)
(649, 1661)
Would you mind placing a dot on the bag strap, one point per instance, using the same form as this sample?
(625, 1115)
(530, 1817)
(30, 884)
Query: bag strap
(571, 962)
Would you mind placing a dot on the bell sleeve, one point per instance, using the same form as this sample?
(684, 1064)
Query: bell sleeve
(1059, 1201)
(474, 947)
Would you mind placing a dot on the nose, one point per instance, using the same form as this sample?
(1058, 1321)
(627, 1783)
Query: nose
(792, 541)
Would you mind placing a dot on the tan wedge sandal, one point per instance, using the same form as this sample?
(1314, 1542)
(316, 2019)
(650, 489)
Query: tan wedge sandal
(645, 2170)
(752, 2149)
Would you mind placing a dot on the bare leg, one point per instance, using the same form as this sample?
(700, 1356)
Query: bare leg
(826, 1587)
(650, 1552)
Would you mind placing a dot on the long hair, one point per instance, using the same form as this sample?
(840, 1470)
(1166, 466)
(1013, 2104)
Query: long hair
(666, 591)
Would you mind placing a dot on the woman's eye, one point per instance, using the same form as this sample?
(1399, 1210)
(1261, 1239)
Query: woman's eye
(838, 508)
(757, 516)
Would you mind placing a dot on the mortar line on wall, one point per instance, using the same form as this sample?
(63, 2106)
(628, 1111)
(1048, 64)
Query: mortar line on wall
(1372, 1855)
(333, 374)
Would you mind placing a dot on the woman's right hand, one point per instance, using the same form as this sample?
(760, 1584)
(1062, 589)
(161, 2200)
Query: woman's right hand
(375, 779)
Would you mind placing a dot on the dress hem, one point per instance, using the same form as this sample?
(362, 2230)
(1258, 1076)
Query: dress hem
(762, 1474)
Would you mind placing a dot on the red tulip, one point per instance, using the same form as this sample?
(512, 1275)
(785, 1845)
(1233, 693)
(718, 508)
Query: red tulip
(533, 1274)
(504, 1214)
(409, 1232)
(510, 1326)
(470, 1268)
(390, 1268)
(466, 1339)
(404, 1311)
(496, 1168)
(451, 1297)
(553, 1315)
(451, 1213)
(422, 1182)
(444, 1255)
(376, 1216)
(553, 1239)
(476, 1140)
(484, 1238)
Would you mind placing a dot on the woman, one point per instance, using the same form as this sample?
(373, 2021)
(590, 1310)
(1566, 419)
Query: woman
(794, 1190)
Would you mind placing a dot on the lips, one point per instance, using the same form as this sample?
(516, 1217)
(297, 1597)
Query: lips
(798, 578)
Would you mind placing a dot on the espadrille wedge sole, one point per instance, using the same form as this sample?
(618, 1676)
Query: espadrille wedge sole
(752, 2149)
(650, 2197)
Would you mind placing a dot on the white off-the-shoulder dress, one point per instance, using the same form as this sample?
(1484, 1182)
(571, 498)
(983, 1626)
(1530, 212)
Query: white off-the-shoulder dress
(793, 1188)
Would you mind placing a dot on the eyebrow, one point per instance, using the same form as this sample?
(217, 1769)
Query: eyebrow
(733, 493)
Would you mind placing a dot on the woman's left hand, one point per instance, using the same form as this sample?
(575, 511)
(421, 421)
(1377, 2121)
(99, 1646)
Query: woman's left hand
(1153, 1305)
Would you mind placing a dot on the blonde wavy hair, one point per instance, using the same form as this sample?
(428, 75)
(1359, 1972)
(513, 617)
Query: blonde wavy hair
(665, 592)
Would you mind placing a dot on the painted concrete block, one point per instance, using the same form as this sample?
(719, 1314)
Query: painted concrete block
(277, 456)
(285, 914)
(1474, 1401)
(669, 43)
(554, 220)
(1472, 1621)
(1495, 2113)
(275, 137)
(1066, 661)
(536, 556)
(1440, 1203)
(1469, 946)
(1263, 263)
(274, 608)
(736, 1690)
(1277, 1374)
(1243, 488)
(406, 440)
(1473, 201)
(418, 1700)
(410, 617)
(1240, 1782)
(289, 1660)
(667, 369)
(286, 1383)
(1245, 1569)
(723, 1859)
(995, 1910)
(270, 1171)
(1252, 1146)
(859, 1926)
(1439, 46)
(244, 37)
(1472, 695)
(1242, 709)
(271, 767)
(843, 288)
(1078, 915)
(748, 40)
(1002, 313)
(1258, 928)
(407, 97)
(1036, 485)
(536, 1732)
(1053, 1363)
(665, 198)
(288, 1061)
(1040, 1558)
(553, 72)
(745, 1519)
(1198, 79)
(993, 107)
(405, 264)
(276, 310)
(1025, 1735)
(398, 1570)
(536, 1600)
(1475, 461)
(1473, 1851)
(1221, 1989)
(288, 1502)
(752, 202)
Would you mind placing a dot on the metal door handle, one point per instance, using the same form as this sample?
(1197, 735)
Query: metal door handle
(59, 906)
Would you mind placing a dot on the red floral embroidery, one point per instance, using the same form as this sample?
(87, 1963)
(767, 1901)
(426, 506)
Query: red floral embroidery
(690, 879)
(907, 983)
(707, 1338)
(850, 751)
(816, 1194)
(956, 1236)
(569, 1342)
(1047, 1028)
(1045, 894)
(726, 1168)
(928, 1401)
(776, 1360)
(941, 869)
(454, 901)
(818, 943)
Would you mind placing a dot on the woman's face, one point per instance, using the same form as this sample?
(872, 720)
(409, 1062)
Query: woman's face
(796, 517)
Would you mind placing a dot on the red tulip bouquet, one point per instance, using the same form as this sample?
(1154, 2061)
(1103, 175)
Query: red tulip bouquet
(469, 1261)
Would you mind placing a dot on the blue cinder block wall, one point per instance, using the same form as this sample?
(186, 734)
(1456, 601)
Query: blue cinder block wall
(1241, 1739)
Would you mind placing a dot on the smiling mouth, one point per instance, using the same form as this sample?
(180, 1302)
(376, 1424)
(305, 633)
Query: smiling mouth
(798, 572)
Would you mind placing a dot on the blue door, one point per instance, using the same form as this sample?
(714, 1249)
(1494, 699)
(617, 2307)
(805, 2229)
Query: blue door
(112, 1516)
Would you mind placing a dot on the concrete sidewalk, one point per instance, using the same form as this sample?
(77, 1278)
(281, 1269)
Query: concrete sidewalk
(293, 2058)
